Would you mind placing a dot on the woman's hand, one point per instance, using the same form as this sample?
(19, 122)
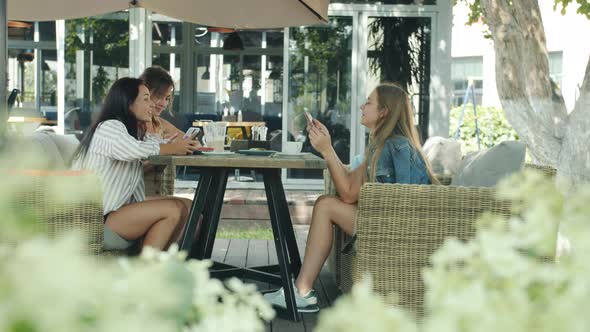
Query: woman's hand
(179, 147)
(319, 137)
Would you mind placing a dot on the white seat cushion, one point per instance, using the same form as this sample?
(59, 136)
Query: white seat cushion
(444, 155)
(486, 167)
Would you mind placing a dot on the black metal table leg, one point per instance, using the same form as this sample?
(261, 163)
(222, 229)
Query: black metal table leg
(214, 202)
(285, 221)
(275, 204)
(208, 200)
(201, 194)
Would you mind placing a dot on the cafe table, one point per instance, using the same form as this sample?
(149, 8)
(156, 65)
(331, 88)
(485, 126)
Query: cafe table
(208, 201)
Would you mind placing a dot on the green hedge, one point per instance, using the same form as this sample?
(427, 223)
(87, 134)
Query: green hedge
(493, 127)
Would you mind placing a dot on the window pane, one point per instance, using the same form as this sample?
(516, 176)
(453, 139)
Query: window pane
(47, 31)
(251, 38)
(464, 70)
(48, 78)
(399, 51)
(21, 75)
(20, 30)
(274, 39)
(97, 54)
(203, 36)
(166, 32)
(320, 83)
(556, 66)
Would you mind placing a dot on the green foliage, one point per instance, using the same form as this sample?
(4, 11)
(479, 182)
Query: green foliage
(493, 127)
(475, 11)
(327, 49)
(110, 40)
(100, 83)
(47, 284)
(502, 278)
(406, 36)
(584, 8)
(259, 233)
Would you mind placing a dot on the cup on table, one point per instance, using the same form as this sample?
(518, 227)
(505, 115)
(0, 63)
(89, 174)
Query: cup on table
(214, 136)
(217, 145)
(292, 147)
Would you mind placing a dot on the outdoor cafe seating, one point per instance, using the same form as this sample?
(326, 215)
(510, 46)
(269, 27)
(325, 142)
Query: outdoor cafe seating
(399, 226)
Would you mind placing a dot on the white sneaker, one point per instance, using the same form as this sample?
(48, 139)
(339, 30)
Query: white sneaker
(305, 304)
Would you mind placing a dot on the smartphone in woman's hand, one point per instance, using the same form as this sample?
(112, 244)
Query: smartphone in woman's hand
(191, 133)
(309, 119)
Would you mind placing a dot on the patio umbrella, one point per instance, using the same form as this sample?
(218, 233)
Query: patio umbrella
(237, 14)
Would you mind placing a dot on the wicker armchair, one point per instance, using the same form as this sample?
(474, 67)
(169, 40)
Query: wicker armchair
(47, 195)
(159, 181)
(400, 226)
(63, 201)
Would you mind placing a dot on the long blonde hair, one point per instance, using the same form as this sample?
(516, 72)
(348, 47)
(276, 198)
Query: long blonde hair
(397, 121)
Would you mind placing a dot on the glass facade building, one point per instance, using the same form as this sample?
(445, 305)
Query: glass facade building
(275, 76)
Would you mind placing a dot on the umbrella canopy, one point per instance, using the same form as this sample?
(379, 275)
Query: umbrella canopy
(238, 14)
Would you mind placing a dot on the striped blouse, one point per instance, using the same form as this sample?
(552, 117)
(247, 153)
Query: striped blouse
(116, 157)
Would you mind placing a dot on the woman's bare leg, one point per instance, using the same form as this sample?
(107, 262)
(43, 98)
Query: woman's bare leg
(187, 204)
(157, 219)
(328, 211)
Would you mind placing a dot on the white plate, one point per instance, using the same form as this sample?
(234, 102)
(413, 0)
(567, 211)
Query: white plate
(291, 155)
(218, 153)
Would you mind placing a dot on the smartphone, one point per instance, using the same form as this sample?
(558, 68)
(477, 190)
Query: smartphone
(191, 133)
(309, 118)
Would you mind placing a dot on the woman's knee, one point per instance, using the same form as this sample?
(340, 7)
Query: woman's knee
(173, 209)
(325, 202)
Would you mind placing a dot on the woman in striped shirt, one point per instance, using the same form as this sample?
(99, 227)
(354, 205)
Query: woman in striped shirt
(114, 148)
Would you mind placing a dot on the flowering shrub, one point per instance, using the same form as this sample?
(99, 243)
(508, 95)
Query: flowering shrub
(498, 281)
(49, 285)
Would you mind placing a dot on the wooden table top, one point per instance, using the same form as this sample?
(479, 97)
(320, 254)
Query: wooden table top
(237, 160)
(26, 119)
(230, 123)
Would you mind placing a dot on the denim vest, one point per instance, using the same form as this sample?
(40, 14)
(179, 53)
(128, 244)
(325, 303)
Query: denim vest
(399, 162)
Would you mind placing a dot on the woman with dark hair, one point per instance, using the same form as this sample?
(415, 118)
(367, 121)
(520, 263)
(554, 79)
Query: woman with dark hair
(394, 155)
(114, 148)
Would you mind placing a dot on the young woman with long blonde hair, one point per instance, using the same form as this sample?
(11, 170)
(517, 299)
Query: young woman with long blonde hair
(394, 155)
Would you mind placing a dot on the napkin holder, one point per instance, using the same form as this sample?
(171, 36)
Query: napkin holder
(243, 144)
(229, 118)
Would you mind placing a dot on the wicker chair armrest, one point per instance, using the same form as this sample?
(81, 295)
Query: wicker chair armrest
(63, 201)
(546, 170)
(400, 226)
(159, 180)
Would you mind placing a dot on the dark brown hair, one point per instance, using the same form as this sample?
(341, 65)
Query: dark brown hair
(115, 107)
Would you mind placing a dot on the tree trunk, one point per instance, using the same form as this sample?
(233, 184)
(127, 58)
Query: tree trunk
(531, 100)
(574, 159)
